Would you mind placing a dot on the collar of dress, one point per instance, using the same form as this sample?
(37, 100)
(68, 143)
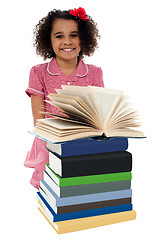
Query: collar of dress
(80, 71)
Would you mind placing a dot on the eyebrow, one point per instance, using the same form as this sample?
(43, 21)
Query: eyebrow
(75, 32)
(62, 32)
(57, 33)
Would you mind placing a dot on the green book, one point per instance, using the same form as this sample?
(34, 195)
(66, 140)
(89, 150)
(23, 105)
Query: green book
(71, 181)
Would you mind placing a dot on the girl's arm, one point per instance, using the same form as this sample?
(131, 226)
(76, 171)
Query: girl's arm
(37, 106)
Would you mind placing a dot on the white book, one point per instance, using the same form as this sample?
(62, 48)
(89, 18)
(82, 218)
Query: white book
(88, 111)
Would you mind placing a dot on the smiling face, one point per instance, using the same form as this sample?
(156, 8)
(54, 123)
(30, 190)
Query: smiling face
(65, 39)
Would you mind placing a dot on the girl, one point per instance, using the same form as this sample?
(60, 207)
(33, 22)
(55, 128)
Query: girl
(66, 37)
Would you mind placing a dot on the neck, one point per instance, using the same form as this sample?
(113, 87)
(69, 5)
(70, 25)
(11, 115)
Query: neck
(67, 66)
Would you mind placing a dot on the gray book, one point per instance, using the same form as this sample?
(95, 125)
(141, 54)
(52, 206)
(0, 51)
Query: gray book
(68, 191)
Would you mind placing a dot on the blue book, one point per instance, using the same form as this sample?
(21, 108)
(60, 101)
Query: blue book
(81, 214)
(89, 146)
(65, 201)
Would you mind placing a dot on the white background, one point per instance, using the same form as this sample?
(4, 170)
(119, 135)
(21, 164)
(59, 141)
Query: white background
(129, 54)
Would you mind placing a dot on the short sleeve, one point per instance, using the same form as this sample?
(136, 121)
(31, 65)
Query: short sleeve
(35, 83)
(98, 78)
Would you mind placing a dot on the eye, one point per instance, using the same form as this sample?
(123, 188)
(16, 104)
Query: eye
(59, 36)
(74, 35)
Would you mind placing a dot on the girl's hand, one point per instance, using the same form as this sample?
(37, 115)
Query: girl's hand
(45, 143)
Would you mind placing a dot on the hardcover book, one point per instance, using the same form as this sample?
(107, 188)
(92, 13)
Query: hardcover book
(90, 164)
(88, 222)
(84, 206)
(81, 214)
(85, 189)
(90, 179)
(96, 197)
(88, 146)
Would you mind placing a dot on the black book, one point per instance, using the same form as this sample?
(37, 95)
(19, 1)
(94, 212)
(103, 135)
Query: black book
(90, 164)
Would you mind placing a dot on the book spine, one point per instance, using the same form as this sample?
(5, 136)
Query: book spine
(93, 212)
(94, 146)
(96, 164)
(92, 188)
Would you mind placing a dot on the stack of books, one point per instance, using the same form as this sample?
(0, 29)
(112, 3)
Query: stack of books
(88, 180)
(87, 184)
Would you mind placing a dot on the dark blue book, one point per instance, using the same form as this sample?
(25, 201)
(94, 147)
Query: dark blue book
(81, 214)
(88, 146)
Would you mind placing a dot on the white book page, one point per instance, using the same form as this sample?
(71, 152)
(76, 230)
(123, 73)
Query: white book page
(80, 92)
(87, 95)
(63, 133)
(123, 104)
(69, 109)
(124, 132)
(53, 138)
(74, 101)
(107, 100)
(58, 123)
(84, 92)
(122, 108)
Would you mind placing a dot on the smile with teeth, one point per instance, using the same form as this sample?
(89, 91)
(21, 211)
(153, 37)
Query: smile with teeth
(67, 49)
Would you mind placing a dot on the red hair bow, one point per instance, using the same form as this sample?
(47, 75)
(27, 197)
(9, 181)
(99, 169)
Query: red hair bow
(80, 13)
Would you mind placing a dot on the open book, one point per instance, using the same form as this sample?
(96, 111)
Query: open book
(86, 112)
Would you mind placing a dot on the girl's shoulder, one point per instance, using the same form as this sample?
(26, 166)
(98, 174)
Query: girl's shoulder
(39, 71)
(40, 67)
(95, 73)
(93, 68)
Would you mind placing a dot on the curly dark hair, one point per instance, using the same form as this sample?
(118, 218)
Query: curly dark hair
(42, 34)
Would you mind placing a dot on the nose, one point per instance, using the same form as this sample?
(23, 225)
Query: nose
(67, 42)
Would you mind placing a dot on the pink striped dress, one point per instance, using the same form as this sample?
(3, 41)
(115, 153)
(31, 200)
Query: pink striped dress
(44, 79)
